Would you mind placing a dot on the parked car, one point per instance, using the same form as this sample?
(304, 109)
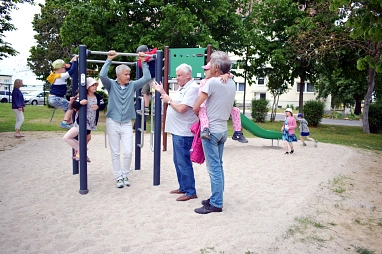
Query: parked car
(36, 98)
(5, 96)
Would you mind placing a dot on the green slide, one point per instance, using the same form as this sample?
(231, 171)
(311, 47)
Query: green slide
(256, 130)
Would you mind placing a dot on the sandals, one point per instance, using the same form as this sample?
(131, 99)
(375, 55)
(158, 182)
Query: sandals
(19, 135)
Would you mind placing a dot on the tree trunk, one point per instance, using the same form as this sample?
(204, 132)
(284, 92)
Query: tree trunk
(370, 89)
(370, 85)
(302, 86)
(357, 108)
(274, 107)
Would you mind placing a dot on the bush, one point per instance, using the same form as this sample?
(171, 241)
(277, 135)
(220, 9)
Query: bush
(375, 117)
(259, 110)
(314, 112)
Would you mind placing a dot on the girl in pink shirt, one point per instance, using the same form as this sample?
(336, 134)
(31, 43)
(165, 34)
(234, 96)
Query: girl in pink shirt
(235, 113)
(288, 131)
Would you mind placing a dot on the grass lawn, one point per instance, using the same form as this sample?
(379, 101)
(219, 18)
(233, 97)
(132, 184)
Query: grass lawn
(37, 118)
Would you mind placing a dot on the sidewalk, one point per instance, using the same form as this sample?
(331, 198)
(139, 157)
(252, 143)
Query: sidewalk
(281, 116)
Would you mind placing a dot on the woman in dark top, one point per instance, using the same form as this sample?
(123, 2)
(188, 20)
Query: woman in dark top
(18, 106)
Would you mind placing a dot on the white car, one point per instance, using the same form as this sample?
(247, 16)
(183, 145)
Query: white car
(5, 96)
(36, 98)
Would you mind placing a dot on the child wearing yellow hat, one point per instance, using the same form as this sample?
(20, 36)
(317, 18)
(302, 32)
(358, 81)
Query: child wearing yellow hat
(58, 88)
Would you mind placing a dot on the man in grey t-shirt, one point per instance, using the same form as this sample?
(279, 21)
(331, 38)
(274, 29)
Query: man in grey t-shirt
(219, 102)
(179, 119)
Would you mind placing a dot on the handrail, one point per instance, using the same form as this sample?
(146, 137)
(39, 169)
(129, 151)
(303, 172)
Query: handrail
(91, 52)
(113, 62)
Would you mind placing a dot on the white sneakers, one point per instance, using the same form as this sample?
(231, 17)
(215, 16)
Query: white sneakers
(120, 183)
(123, 182)
(126, 181)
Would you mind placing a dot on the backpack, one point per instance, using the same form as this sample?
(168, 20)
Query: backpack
(196, 152)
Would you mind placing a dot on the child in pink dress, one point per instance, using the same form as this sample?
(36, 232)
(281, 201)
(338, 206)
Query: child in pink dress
(235, 113)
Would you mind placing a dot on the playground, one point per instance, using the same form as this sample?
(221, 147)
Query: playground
(320, 200)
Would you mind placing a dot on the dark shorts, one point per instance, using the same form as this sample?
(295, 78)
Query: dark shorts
(305, 134)
(88, 132)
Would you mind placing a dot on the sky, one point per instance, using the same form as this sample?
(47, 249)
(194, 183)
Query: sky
(22, 40)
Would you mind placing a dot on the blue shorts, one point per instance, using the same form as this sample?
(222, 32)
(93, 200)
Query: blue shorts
(58, 102)
(305, 134)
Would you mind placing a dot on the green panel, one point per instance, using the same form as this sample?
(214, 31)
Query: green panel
(195, 57)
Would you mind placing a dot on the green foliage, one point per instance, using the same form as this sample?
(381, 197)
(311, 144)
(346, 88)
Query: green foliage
(259, 110)
(362, 250)
(364, 21)
(375, 117)
(314, 112)
(49, 42)
(124, 25)
(6, 49)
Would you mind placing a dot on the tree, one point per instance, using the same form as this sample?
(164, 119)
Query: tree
(6, 49)
(339, 77)
(365, 21)
(276, 86)
(49, 43)
(269, 27)
(311, 39)
(123, 25)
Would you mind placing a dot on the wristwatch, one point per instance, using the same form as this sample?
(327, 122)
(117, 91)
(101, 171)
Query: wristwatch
(169, 102)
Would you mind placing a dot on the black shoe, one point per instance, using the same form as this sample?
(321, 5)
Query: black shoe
(205, 134)
(292, 151)
(205, 202)
(239, 136)
(208, 209)
(286, 153)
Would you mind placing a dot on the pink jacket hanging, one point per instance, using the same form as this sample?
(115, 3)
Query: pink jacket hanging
(196, 152)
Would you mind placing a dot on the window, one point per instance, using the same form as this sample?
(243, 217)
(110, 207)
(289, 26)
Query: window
(239, 86)
(260, 81)
(307, 88)
(263, 96)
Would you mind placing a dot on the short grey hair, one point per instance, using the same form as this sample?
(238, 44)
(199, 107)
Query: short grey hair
(121, 67)
(185, 68)
(222, 60)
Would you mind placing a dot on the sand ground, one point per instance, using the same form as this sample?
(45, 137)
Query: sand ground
(318, 200)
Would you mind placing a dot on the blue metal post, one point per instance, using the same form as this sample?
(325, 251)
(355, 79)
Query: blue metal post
(138, 119)
(158, 118)
(82, 122)
(74, 88)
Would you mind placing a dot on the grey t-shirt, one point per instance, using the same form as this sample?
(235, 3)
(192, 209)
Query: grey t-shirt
(180, 123)
(219, 103)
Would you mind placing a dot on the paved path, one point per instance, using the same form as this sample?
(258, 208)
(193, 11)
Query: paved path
(281, 116)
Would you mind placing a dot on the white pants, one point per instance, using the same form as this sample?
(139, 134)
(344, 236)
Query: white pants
(120, 133)
(19, 118)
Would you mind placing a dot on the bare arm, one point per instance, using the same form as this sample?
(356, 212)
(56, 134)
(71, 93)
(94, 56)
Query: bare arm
(181, 108)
